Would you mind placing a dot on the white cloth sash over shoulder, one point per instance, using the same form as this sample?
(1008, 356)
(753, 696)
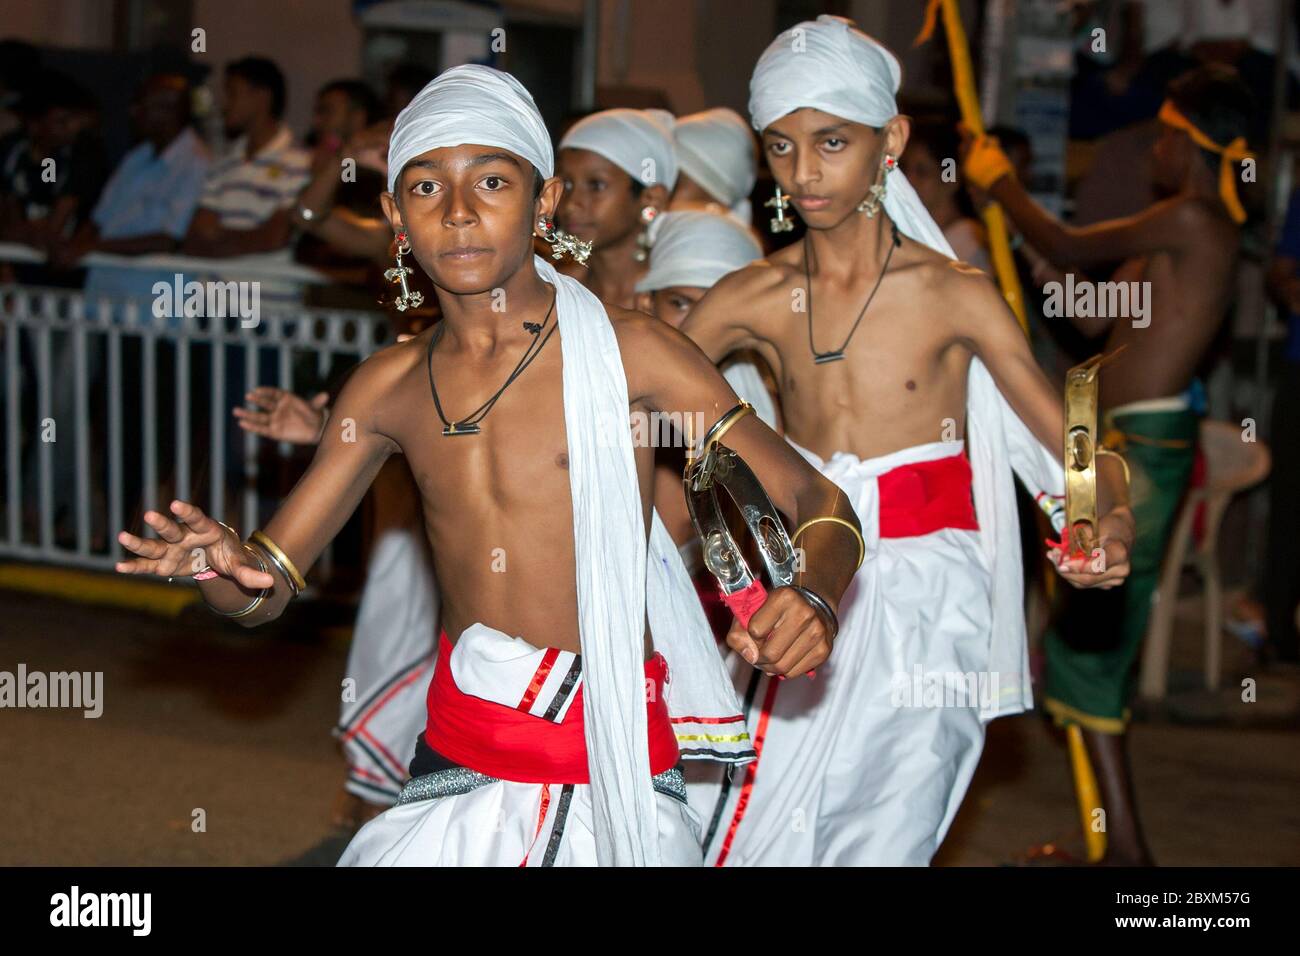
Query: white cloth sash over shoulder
(618, 587)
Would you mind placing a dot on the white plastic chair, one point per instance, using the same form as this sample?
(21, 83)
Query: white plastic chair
(1232, 465)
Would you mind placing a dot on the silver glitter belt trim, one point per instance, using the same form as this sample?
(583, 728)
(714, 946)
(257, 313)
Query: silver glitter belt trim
(457, 780)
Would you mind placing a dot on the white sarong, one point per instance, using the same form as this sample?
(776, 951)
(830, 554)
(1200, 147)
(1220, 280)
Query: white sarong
(390, 663)
(849, 771)
(460, 817)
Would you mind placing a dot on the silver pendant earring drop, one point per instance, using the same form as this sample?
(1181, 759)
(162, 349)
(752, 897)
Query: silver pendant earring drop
(398, 274)
(780, 202)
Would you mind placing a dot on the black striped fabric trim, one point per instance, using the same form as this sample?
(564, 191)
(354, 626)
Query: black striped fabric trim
(557, 828)
(379, 691)
(381, 764)
(731, 756)
(725, 793)
(566, 686)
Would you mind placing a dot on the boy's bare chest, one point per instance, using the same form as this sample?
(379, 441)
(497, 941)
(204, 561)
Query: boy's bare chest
(483, 446)
(839, 347)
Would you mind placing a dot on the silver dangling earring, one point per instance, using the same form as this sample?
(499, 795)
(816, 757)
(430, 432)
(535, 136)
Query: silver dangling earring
(876, 195)
(643, 242)
(398, 274)
(780, 202)
(561, 242)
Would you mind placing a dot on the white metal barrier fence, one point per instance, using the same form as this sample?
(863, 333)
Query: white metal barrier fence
(76, 465)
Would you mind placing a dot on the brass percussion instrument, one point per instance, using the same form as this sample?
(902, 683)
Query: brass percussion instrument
(718, 467)
(1082, 448)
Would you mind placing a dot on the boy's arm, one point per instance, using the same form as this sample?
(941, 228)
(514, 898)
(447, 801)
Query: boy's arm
(986, 326)
(1170, 225)
(714, 323)
(350, 454)
(669, 374)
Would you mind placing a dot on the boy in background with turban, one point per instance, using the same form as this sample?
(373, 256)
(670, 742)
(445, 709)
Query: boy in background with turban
(885, 351)
(619, 168)
(716, 164)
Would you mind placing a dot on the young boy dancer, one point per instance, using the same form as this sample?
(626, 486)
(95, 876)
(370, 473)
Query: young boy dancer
(557, 746)
(885, 351)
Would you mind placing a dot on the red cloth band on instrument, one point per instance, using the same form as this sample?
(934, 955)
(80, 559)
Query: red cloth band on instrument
(927, 496)
(508, 744)
(745, 603)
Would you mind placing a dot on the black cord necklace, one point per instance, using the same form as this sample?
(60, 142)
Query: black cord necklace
(821, 358)
(469, 425)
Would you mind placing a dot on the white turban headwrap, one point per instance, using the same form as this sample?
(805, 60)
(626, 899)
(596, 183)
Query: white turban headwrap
(716, 149)
(832, 66)
(639, 142)
(696, 249)
(693, 248)
(470, 105)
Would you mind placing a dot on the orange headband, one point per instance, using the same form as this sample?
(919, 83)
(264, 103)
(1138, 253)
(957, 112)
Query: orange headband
(1234, 152)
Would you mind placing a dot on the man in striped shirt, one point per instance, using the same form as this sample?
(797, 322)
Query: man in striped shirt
(249, 193)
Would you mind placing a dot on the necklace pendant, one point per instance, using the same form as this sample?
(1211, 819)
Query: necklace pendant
(460, 428)
(821, 358)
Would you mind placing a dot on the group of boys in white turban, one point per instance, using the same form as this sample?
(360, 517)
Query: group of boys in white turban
(875, 784)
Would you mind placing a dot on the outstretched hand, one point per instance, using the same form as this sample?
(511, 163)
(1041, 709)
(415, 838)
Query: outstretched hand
(283, 416)
(187, 544)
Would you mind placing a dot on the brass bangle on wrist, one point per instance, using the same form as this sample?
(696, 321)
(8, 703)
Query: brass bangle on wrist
(1128, 479)
(280, 560)
(862, 547)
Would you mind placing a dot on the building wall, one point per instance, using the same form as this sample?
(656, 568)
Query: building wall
(81, 24)
(313, 42)
(699, 53)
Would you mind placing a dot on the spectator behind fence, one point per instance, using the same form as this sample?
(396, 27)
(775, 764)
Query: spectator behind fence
(345, 176)
(150, 198)
(51, 167)
(245, 205)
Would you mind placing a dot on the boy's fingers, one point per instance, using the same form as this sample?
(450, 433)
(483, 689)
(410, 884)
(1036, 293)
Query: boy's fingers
(136, 566)
(252, 419)
(801, 648)
(149, 549)
(782, 639)
(167, 529)
(192, 515)
(738, 640)
(809, 662)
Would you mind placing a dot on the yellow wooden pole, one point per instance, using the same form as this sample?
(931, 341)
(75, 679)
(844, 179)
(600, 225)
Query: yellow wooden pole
(1085, 788)
(963, 78)
(995, 223)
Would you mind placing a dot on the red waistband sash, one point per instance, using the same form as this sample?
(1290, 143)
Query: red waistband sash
(510, 744)
(926, 496)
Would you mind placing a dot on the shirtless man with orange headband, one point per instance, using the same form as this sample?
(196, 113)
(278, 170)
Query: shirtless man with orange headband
(1179, 256)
